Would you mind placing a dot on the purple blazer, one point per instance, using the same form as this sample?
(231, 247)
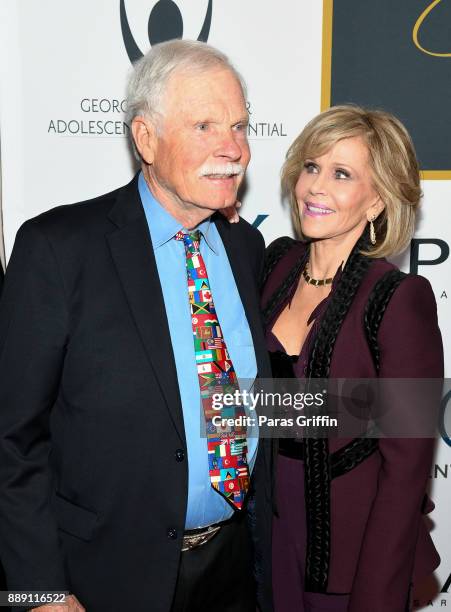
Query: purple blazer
(379, 542)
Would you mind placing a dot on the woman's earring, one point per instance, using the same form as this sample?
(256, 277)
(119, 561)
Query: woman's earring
(372, 231)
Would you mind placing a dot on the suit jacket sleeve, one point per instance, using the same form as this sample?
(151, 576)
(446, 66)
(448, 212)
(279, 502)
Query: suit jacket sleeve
(33, 335)
(410, 347)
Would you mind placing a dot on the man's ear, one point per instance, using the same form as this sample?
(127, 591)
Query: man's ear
(144, 136)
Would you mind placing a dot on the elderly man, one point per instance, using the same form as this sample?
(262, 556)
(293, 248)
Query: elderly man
(118, 317)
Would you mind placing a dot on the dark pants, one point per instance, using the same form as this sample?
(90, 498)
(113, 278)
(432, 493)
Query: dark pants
(217, 576)
(290, 544)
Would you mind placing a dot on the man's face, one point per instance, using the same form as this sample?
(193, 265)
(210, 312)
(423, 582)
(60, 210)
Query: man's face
(201, 149)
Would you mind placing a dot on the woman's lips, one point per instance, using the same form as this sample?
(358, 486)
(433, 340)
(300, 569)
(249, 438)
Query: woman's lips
(316, 210)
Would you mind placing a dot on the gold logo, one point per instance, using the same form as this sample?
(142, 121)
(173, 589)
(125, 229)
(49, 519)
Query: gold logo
(417, 27)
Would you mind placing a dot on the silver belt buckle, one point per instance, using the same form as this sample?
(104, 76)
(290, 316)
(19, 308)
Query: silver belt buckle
(194, 540)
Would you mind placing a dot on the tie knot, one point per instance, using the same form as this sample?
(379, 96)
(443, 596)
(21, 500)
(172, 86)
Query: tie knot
(191, 239)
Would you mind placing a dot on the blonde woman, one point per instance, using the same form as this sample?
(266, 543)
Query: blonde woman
(349, 537)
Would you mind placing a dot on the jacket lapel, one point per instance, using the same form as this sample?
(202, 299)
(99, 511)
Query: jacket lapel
(131, 249)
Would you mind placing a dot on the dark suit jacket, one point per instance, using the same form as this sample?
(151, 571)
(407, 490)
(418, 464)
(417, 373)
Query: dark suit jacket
(93, 491)
(379, 541)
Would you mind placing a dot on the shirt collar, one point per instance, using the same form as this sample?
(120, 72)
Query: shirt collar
(163, 226)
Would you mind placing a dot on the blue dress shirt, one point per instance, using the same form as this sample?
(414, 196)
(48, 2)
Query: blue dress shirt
(205, 505)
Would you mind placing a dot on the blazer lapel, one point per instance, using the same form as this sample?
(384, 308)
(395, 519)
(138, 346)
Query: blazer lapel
(131, 249)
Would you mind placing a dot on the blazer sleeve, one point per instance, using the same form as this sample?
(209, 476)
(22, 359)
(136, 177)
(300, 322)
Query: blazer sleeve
(410, 347)
(33, 335)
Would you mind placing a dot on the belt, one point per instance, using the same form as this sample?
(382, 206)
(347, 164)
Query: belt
(288, 447)
(192, 538)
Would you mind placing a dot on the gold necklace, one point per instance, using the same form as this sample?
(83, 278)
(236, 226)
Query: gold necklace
(316, 282)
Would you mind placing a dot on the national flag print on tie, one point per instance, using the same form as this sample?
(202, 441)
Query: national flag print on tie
(227, 445)
(215, 343)
(201, 308)
(236, 447)
(203, 357)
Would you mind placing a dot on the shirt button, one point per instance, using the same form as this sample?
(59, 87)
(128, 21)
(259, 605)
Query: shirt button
(179, 454)
(172, 533)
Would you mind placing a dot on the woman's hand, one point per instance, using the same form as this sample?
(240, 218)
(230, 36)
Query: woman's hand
(231, 212)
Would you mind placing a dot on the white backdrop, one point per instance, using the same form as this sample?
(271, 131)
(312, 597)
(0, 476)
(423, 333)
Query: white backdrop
(63, 68)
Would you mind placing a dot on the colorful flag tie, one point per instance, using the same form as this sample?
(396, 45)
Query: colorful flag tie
(227, 445)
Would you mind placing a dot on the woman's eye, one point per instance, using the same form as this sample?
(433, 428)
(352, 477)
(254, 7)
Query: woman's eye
(341, 174)
(202, 127)
(310, 167)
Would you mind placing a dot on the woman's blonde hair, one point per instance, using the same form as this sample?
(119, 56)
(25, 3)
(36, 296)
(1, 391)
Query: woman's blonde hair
(393, 162)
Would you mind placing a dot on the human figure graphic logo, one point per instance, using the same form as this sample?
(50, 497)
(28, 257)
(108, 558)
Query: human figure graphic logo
(165, 23)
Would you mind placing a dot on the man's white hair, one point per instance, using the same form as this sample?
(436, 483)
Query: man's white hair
(147, 82)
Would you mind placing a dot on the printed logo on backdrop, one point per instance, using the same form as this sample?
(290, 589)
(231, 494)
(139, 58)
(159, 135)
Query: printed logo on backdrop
(445, 418)
(103, 116)
(447, 586)
(402, 65)
(418, 262)
(165, 23)
(98, 117)
(441, 470)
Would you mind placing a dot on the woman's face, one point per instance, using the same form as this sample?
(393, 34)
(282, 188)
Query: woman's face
(335, 193)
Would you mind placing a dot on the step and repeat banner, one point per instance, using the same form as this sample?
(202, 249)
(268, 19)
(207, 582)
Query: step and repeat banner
(397, 56)
(63, 136)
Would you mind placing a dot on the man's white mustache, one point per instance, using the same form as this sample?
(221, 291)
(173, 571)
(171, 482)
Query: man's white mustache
(228, 169)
